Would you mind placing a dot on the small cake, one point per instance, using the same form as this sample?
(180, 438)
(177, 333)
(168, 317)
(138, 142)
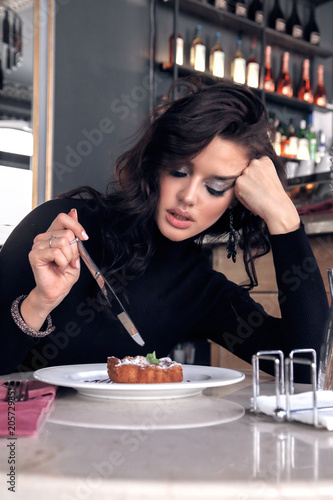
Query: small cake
(144, 370)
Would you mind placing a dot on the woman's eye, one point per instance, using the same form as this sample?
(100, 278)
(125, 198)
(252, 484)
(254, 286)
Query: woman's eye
(178, 173)
(216, 192)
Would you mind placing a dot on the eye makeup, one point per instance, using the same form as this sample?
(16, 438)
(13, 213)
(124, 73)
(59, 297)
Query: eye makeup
(215, 185)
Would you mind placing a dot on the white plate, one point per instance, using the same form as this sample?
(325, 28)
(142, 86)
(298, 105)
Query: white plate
(88, 380)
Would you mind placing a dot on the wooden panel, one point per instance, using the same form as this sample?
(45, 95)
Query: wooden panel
(322, 246)
(236, 272)
(266, 292)
(224, 359)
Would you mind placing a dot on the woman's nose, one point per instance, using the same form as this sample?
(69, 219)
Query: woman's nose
(188, 194)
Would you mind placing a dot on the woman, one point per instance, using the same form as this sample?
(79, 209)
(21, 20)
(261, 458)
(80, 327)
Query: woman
(203, 166)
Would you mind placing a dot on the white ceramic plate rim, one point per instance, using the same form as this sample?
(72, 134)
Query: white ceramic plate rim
(73, 376)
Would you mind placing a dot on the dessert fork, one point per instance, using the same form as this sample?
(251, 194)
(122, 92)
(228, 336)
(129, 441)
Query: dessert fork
(17, 390)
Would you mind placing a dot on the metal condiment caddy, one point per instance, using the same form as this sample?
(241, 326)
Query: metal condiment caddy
(284, 381)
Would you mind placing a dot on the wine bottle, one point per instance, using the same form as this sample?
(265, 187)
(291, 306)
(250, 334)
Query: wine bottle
(284, 84)
(216, 57)
(252, 69)
(320, 95)
(293, 26)
(198, 52)
(305, 91)
(238, 65)
(269, 83)
(179, 49)
(221, 4)
(255, 12)
(276, 18)
(311, 30)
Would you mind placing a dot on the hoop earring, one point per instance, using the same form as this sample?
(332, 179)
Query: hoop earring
(233, 238)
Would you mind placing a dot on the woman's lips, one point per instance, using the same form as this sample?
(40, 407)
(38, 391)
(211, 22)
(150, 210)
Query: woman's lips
(178, 219)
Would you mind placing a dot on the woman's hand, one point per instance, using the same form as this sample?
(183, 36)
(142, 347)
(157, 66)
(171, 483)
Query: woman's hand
(55, 264)
(260, 190)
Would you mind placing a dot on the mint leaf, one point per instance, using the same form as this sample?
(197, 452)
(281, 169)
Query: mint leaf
(152, 358)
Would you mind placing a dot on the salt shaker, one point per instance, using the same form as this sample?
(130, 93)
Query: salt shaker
(325, 376)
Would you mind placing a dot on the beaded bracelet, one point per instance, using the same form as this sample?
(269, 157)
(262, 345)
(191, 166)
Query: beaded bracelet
(16, 315)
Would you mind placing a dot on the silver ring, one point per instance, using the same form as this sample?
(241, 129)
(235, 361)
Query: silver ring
(50, 241)
(74, 241)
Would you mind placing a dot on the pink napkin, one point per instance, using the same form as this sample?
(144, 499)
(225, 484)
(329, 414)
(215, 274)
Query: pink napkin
(24, 417)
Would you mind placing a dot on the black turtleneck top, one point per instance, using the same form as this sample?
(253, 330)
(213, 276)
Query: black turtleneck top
(178, 298)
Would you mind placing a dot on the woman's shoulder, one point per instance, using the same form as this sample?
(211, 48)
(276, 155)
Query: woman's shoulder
(64, 204)
(40, 218)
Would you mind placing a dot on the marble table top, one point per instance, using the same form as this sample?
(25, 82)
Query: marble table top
(208, 446)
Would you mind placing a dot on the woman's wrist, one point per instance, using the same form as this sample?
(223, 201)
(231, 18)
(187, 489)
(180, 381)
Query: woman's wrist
(33, 311)
(284, 221)
(24, 327)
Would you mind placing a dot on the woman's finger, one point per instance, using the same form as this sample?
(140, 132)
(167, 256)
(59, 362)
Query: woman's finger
(69, 221)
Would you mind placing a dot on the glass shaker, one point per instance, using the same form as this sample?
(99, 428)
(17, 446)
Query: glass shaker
(325, 376)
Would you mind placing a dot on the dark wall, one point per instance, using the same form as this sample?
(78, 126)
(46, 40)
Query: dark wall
(101, 86)
(102, 91)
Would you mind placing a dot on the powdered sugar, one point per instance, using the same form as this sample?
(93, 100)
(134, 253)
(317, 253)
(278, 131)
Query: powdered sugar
(143, 361)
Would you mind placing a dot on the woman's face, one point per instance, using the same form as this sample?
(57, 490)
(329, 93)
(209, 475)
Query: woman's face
(195, 195)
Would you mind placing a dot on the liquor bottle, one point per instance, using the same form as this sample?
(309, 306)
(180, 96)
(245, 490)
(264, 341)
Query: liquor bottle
(8, 59)
(283, 138)
(269, 83)
(324, 163)
(312, 139)
(293, 26)
(240, 8)
(238, 65)
(5, 28)
(179, 49)
(320, 95)
(291, 143)
(1, 75)
(255, 12)
(252, 69)
(221, 4)
(14, 43)
(198, 52)
(305, 91)
(216, 57)
(284, 84)
(19, 55)
(311, 30)
(276, 18)
(303, 143)
(321, 150)
(277, 141)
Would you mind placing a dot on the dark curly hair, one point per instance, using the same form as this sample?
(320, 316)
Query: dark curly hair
(194, 112)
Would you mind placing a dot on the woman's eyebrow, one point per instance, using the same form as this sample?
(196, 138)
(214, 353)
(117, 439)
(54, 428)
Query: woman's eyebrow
(225, 178)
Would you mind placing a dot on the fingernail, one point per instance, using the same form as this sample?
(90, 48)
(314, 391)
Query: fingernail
(77, 263)
(73, 210)
(84, 235)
